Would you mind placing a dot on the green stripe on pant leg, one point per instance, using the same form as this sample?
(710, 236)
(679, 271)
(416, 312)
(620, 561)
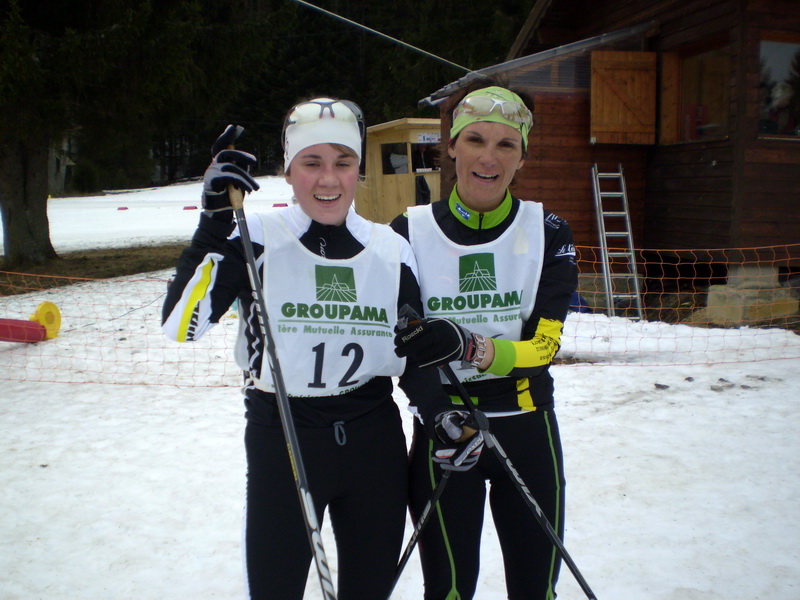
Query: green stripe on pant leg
(453, 594)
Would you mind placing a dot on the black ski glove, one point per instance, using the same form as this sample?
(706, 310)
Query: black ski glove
(459, 443)
(229, 167)
(435, 341)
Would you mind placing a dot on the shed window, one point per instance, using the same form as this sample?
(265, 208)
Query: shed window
(395, 158)
(424, 157)
(779, 86)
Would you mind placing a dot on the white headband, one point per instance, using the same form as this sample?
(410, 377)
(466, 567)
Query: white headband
(320, 121)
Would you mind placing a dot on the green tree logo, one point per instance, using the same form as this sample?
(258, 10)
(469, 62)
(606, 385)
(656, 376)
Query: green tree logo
(335, 284)
(476, 273)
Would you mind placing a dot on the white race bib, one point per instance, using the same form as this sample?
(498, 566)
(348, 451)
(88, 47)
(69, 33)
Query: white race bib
(333, 320)
(488, 288)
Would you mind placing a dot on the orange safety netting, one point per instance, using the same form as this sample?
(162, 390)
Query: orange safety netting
(699, 307)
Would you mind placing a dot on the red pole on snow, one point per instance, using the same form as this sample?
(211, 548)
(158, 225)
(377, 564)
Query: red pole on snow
(13, 330)
(43, 325)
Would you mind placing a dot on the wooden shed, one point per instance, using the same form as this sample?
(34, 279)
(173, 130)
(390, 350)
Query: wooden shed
(698, 100)
(402, 168)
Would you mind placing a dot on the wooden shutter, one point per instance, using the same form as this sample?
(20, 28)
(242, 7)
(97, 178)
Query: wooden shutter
(623, 101)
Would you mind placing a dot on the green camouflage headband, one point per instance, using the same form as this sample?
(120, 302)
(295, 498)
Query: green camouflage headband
(496, 105)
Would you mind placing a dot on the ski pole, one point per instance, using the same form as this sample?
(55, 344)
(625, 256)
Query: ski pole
(292, 442)
(482, 422)
(424, 517)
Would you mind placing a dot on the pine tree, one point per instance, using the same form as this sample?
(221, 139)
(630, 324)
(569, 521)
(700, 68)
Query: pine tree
(112, 76)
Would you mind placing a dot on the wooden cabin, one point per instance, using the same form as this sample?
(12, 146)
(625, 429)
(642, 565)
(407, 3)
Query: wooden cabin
(698, 100)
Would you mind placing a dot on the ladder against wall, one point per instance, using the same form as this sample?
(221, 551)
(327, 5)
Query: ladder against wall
(617, 254)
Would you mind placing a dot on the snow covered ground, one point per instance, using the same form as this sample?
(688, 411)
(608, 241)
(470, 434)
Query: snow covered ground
(683, 474)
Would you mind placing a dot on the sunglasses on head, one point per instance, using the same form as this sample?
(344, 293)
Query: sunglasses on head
(482, 106)
(314, 110)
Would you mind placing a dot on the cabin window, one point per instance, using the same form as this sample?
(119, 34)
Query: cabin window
(424, 157)
(705, 79)
(695, 92)
(395, 158)
(779, 86)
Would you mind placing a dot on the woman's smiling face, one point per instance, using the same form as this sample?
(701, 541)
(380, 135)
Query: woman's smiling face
(487, 156)
(324, 179)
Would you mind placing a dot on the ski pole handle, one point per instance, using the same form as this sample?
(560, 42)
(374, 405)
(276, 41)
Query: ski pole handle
(226, 142)
(236, 197)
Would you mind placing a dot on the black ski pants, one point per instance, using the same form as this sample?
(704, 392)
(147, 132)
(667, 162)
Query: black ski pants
(359, 471)
(450, 544)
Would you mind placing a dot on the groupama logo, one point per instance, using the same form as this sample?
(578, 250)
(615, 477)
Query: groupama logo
(336, 301)
(335, 284)
(477, 290)
(476, 273)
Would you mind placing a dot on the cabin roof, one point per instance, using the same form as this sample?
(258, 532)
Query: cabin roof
(615, 38)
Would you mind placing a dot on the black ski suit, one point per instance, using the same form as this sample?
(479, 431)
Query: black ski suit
(520, 407)
(352, 444)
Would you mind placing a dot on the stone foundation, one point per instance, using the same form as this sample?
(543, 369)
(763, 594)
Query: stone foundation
(751, 296)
